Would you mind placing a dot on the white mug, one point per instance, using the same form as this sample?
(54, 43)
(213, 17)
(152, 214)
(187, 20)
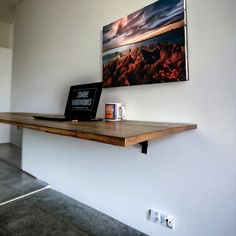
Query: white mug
(114, 111)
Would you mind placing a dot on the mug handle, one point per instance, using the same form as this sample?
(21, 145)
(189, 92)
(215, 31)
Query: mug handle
(122, 112)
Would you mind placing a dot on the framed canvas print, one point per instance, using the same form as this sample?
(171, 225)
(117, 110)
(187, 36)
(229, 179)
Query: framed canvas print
(147, 46)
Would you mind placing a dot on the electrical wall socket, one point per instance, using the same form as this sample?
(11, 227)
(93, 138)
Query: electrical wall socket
(159, 217)
(170, 222)
(153, 215)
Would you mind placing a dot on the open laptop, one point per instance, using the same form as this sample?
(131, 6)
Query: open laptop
(82, 103)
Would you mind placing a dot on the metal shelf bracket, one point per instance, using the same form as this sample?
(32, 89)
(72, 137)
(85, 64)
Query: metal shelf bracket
(144, 147)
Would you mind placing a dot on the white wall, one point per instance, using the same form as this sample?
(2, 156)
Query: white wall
(6, 35)
(5, 89)
(7, 10)
(190, 175)
(7, 22)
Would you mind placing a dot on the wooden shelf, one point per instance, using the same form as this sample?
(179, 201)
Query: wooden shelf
(122, 133)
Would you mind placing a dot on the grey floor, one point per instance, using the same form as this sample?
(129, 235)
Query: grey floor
(14, 183)
(29, 208)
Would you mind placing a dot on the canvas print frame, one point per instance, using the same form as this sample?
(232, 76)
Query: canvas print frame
(148, 46)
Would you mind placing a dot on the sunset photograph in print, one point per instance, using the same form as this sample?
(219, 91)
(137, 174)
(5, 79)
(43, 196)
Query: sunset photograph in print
(146, 47)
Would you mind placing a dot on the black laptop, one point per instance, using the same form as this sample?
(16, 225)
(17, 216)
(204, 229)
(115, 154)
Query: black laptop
(82, 103)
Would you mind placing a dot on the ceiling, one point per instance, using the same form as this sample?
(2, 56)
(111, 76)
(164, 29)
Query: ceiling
(7, 10)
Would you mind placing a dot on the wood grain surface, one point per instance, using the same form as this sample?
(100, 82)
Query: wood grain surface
(121, 133)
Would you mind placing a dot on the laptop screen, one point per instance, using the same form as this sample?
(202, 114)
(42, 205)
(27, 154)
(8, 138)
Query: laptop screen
(83, 101)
